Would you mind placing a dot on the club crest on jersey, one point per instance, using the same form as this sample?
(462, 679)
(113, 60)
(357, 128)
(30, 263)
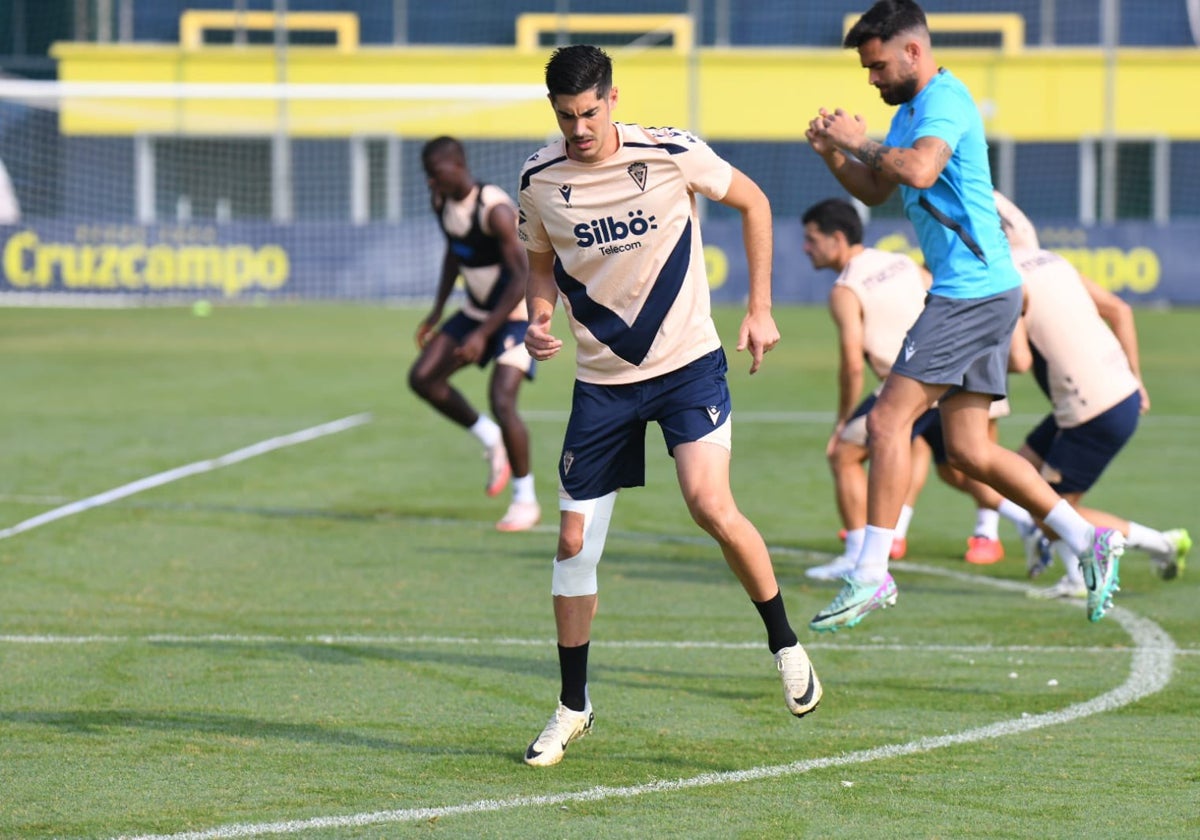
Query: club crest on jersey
(565, 192)
(567, 461)
(637, 171)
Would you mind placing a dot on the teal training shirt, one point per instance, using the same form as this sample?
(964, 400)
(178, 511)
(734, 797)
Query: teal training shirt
(955, 219)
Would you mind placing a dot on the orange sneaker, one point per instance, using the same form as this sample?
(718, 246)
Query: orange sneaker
(899, 548)
(498, 469)
(984, 550)
(521, 516)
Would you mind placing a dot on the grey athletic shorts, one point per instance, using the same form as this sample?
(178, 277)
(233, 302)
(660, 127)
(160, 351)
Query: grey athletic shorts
(962, 343)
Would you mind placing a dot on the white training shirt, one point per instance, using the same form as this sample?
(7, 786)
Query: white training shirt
(629, 259)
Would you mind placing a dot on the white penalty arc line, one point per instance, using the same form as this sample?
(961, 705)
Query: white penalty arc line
(1151, 668)
(208, 465)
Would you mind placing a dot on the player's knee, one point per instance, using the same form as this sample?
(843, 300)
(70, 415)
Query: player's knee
(968, 457)
(575, 573)
(713, 512)
(504, 405)
(421, 382)
(884, 426)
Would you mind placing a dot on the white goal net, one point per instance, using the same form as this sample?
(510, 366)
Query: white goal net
(305, 191)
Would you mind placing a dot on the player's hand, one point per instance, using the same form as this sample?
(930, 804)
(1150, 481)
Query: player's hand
(816, 136)
(834, 438)
(425, 331)
(843, 130)
(759, 334)
(1145, 395)
(538, 340)
(471, 350)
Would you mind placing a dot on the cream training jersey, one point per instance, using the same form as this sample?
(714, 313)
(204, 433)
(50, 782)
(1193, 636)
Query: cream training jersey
(629, 263)
(1078, 361)
(470, 237)
(891, 292)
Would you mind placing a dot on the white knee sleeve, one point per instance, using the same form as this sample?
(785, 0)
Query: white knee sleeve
(576, 575)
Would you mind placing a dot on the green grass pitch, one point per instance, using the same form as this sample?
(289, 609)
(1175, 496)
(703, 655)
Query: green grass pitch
(329, 640)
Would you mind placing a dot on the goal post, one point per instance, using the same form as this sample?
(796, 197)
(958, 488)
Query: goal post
(164, 191)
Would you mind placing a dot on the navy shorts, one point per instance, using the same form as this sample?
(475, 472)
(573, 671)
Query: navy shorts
(927, 426)
(604, 448)
(507, 341)
(962, 343)
(1073, 459)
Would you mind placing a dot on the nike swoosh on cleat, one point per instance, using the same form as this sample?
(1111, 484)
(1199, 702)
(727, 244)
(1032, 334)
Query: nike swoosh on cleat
(808, 694)
(531, 752)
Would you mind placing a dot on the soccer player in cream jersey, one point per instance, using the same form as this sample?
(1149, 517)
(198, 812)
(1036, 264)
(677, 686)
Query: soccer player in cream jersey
(1082, 348)
(608, 217)
(480, 225)
(874, 300)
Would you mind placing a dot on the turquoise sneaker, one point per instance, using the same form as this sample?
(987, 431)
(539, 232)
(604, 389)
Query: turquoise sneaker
(1101, 571)
(853, 603)
(1170, 564)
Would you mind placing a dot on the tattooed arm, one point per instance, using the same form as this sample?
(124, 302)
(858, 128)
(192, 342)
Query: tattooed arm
(918, 166)
(867, 169)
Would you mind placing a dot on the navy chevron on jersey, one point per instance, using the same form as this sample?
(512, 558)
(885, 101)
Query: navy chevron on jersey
(629, 261)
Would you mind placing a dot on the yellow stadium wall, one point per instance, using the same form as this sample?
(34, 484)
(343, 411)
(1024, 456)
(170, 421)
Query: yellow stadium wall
(1031, 95)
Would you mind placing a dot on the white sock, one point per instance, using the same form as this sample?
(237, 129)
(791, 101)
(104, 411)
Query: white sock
(854, 543)
(1015, 514)
(1147, 539)
(873, 559)
(906, 514)
(486, 430)
(1070, 561)
(523, 489)
(1065, 521)
(987, 523)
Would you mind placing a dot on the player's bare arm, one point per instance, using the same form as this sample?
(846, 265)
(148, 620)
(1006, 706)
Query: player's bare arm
(1119, 316)
(758, 332)
(846, 312)
(917, 167)
(864, 183)
(540, 297)
(427, 327)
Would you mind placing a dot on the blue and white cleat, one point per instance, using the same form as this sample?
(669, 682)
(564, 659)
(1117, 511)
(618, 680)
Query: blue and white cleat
(1101, 571)
(853, 603)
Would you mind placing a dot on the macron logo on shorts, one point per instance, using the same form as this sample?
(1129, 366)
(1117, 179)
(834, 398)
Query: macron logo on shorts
(909, 350)
(714, 413)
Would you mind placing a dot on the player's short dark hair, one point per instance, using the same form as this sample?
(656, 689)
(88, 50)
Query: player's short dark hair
(885, 20)
(578, 68)
(835, 214)
(439, 146)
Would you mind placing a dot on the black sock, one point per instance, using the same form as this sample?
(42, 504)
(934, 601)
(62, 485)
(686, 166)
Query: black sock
(572, 664)
(774, 616)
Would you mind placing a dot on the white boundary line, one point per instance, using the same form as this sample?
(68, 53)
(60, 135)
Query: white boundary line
(333, 640)
(157, 480)
(1151, 668)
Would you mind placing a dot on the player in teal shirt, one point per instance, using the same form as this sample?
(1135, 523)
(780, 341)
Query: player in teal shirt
(955, 218)
(956, 353)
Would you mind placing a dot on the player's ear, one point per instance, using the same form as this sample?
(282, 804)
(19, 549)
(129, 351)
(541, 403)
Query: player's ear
(612, 98)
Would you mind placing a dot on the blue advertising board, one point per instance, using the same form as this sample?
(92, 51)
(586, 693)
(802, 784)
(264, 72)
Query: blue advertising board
(1142, 262)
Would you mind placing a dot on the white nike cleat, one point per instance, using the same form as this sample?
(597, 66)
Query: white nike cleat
(499, 470)
(566, 726)
(801, 688)
(1065, 588)
(521, 516)
(834, 570)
